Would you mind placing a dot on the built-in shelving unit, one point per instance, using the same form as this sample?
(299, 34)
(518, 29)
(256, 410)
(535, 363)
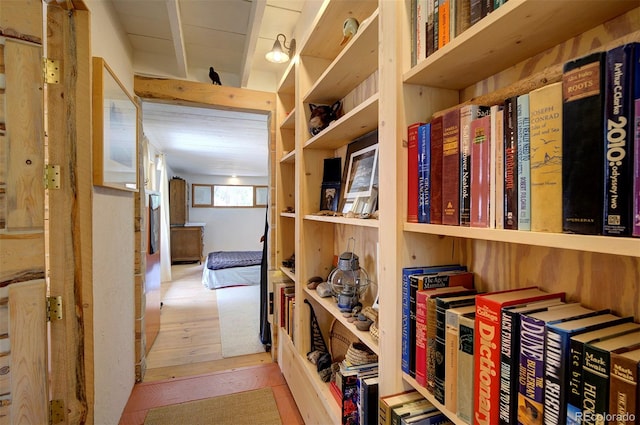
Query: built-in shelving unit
(520, 46)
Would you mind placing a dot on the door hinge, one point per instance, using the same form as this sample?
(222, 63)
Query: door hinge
(54, 308)
(56, 411)
(51, 176)
(51, 70)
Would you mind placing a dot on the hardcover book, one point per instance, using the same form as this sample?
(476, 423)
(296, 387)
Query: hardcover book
(430, 330)
(475, 11)
(386, 403)
(481, 166)
(487, 343)
(558, 360)
(441, 361)
(524, 163)
(452, 345)
(576, 351)
(412, 172)
(462, 16)
(410, 409)
(596, 368)
(582, 146)
(408, 310)
(444, 18)
(369, 400)
(619, 143)
(623, 386)
(429, 46)
(442, 305)
(531, 371)
(545, 135)
(636, 146)
(424, 173)
(436, 170)
(422, 297)
(510, 355)
(421, 29)
(496, 204)
(466, 362)
(510, 165)
(430, 418)
(434, 29)
(468, 113)
(451, 167)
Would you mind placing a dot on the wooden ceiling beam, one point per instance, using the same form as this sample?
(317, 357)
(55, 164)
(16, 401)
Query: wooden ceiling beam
(177, 36)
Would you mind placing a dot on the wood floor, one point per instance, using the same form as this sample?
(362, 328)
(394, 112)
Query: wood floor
(185, 362)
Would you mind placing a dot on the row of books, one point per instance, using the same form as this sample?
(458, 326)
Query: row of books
(409, 408)
(436, 22)
(355, 388)
(532, 356)
(561, 158)
(285, 306)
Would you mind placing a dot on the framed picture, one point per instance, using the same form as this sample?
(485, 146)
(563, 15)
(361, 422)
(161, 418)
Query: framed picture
(201, 195)
(329, 196)
(115, 131)
(261, 196)
(360, 175)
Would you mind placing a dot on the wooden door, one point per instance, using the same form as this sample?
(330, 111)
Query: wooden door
(23, 325)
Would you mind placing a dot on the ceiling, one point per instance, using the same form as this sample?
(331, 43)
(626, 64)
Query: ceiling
(181, 39)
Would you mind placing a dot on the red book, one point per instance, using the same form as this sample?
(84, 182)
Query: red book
(412, 172)
(480, 171)
(486, 386)
(422, 296)
(451, 167)
(436, 170)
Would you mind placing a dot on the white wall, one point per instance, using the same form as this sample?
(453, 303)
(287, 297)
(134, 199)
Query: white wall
(113, 245)
(228, 229)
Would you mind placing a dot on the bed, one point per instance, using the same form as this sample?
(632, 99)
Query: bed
(231, 268)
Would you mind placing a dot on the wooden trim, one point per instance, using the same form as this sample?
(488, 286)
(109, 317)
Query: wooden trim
(181, 92)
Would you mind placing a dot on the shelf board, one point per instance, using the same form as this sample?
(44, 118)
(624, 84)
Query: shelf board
(426, 394)
(320, 388)
(363, 222)
(361, 120)
(288, 81)
(324, 40)
(287, 271)
(288, 214)
(523, 28)
(290, 121)
(600, 244)
(341, 77)
(330, 306)
(289, 158)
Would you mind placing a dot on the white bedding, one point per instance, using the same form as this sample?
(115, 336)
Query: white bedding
(213, 279)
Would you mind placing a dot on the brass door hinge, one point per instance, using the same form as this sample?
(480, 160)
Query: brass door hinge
(51, 70)
(56, 411)
(54, 308)
(51, 176)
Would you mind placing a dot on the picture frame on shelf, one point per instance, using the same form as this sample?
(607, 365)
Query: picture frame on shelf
(360, 174)
(115, 131)
(329, 196)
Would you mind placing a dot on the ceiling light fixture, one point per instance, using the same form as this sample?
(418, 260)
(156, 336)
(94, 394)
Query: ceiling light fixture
(277, 54)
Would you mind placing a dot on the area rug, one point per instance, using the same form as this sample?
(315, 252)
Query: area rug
(249, 407)
(239, 310)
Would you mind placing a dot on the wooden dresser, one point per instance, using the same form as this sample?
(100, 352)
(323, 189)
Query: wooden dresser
(187, 242)
(187, 239)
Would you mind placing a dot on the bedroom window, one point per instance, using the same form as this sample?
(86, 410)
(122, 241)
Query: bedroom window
(228, 196)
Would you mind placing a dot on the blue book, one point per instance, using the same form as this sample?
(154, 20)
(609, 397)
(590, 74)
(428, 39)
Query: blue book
(524, 163)
(424, 173)
(619, 134)
(409, 331)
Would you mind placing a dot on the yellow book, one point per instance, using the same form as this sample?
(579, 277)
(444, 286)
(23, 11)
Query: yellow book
(545, 120)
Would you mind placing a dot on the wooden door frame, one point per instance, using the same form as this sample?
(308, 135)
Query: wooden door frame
(70, 220)
(189, 93)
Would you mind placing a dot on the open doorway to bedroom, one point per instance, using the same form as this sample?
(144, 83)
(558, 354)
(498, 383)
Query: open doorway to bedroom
(203, 329)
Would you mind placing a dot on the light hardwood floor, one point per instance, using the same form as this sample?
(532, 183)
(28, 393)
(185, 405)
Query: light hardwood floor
(185, 363)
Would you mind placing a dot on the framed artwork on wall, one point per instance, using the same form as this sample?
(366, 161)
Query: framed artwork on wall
(115, 131)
